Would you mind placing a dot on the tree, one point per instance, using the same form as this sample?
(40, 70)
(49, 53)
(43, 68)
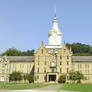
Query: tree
(72, 76)
(76, 76)
(28, 53)
(80, 49)
(15, 76)
(12, 52)
(62, 79)
(80, 76)
(29, 77)
(15, 52)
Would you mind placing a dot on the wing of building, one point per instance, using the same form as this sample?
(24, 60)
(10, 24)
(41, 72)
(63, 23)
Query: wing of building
(50, 61)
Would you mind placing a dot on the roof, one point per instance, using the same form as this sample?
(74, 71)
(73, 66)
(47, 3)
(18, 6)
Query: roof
(20, 58)
(82, 58)
(32, 58)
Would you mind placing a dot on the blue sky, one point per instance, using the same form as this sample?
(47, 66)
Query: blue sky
(25, 23)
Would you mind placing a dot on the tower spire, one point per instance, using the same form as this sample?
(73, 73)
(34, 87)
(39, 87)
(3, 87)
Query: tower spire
(55, 12)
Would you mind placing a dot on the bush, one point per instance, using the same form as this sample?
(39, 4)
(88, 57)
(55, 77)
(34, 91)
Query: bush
(29, 77)
(15, 76)
(62, 79)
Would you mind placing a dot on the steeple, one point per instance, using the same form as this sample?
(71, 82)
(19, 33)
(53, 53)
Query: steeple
(55, 36)
(55, 12)
(55, 21)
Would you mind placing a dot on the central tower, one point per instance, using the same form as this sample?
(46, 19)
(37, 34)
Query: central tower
(55, 36)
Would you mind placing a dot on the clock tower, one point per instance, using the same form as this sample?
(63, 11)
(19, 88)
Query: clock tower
(55, 36)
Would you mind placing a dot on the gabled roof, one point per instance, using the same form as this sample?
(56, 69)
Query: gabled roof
(82, 58)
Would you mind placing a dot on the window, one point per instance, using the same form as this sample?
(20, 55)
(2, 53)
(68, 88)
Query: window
(52, 69)
(38, 63)
(64, 51)
(67, 70)
(45, 60)
(87, 72)
(73, 66)
(60, 57)
(27, 70)
(67, 57)
(45, 77)
(41, 51)
(3, 65)
(60, 62)
(44, 70)
(7, 70)
(38, 70)
(20, 66)
(38, 57)
(27, 66)
(3, 71)
(30, 65)
(86, 65)
(79, 66)
(60, 70)
(67, 62)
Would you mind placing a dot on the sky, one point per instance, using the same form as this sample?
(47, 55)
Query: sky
(24, 24)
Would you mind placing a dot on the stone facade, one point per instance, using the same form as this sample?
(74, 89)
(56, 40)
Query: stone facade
(51, 63)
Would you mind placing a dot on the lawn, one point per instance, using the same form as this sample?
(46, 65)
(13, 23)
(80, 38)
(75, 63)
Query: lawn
(77, 87)
(15, 86)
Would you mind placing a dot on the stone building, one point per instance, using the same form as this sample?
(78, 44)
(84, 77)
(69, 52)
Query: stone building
(49, 62)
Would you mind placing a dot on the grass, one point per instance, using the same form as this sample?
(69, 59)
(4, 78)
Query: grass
(77, 87)
(16, 86)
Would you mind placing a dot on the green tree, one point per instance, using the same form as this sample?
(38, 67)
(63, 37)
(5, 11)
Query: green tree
(15, 76)
(12, 52)
(28, 53)
(80, 77)
(29, 77)
(80, 49)
(15, 52)
(72, 76)
(76, 76)
(62, 79)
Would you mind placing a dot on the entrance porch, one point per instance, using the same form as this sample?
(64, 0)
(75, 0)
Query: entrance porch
(52, 77)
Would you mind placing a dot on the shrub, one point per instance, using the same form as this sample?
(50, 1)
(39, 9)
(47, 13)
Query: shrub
(29, 77)
(62, 79)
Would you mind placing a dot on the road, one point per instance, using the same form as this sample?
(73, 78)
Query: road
(52, 88)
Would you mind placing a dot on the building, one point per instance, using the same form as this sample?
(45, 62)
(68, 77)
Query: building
(49, 62)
